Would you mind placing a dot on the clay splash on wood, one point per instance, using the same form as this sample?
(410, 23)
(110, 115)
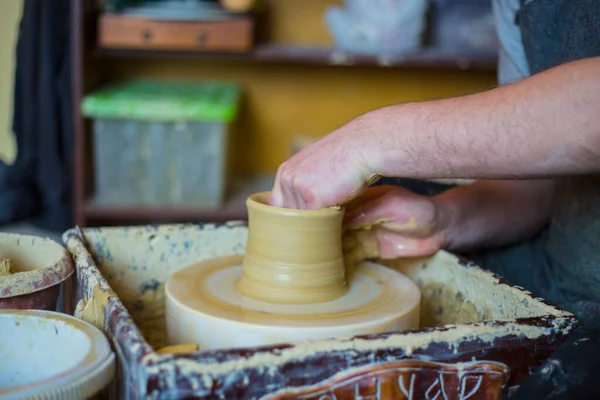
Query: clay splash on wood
(5, 266)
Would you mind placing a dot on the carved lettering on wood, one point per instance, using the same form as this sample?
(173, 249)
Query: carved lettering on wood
(408, 380)
(436, 390)
(408, 391)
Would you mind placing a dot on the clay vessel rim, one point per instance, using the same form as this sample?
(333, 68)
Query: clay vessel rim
(45, 275)
(259, 201)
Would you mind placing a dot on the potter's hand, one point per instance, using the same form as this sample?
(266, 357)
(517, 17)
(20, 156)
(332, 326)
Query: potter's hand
(326, 173)
(389, 222)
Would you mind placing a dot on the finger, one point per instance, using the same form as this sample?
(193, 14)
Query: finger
(327, 194)
(296, 194)
(375, 211)
(365, 197)
(380, 243)
(276, 198)
(300, 203)
(285, 189)
(289, 200)
(393, 245)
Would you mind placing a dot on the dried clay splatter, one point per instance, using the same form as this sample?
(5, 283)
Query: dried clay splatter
(5, 266)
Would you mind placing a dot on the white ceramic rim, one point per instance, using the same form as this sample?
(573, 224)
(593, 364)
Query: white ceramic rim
(256, 202)
(394, 313)
(83, 380)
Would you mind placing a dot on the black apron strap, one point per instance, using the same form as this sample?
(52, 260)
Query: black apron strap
(556, 32)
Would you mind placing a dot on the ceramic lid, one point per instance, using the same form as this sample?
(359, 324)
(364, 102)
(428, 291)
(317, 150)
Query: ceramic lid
(49, 355)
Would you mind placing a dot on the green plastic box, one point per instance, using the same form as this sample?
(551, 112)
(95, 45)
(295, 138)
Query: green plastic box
(161, 143)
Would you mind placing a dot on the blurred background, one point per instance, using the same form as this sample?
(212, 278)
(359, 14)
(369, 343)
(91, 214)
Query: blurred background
(125, 112)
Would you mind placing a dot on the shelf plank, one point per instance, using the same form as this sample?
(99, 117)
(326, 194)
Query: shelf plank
(427, 58)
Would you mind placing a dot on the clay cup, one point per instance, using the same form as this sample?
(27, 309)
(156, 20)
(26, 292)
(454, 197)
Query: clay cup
(292, 256)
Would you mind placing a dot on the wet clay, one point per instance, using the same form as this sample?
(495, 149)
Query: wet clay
(293, 256)
(291, 285)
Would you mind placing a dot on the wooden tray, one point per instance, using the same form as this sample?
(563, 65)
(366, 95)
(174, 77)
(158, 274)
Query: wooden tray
(479, 334)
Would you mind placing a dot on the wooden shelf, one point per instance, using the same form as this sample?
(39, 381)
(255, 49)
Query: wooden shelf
(88, 73)
(427, 58)
(233, 209)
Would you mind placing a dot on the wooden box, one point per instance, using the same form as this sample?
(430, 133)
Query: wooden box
(227, 35)
(479, 334)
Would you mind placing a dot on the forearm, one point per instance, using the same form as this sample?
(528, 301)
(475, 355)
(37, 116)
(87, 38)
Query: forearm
(494, 213)
(544, 126)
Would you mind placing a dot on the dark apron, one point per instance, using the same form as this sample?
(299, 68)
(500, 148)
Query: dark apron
(567, 254)
(561, 264)
(557, 32)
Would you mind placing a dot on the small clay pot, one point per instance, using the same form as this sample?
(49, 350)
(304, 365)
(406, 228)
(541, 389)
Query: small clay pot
(38, 267)
(292, 256)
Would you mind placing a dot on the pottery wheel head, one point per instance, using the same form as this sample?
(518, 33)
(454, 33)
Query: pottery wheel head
(203, 306)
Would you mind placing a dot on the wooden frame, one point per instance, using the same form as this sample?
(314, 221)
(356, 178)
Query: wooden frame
(512, 333)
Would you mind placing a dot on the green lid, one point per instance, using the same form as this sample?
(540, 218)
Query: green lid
(165, 101)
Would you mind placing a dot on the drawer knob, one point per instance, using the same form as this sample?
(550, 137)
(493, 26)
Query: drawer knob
(147, 36)
(202, 38)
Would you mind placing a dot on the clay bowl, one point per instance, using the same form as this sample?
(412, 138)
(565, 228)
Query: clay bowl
(38, 267)
(48, 355)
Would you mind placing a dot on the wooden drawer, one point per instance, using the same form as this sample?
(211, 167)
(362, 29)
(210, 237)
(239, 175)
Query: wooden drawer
(116, 31)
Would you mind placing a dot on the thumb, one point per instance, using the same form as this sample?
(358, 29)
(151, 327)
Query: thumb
(373, 211)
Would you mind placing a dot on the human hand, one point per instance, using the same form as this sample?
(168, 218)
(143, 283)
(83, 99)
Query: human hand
(389, 222)
(329, 172)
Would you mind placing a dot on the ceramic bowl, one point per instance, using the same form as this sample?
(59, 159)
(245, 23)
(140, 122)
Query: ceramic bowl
(49, 355)
(38, 267)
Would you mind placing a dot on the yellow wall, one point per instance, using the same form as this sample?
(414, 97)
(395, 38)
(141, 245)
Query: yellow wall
(285, 101)
(10, 15)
